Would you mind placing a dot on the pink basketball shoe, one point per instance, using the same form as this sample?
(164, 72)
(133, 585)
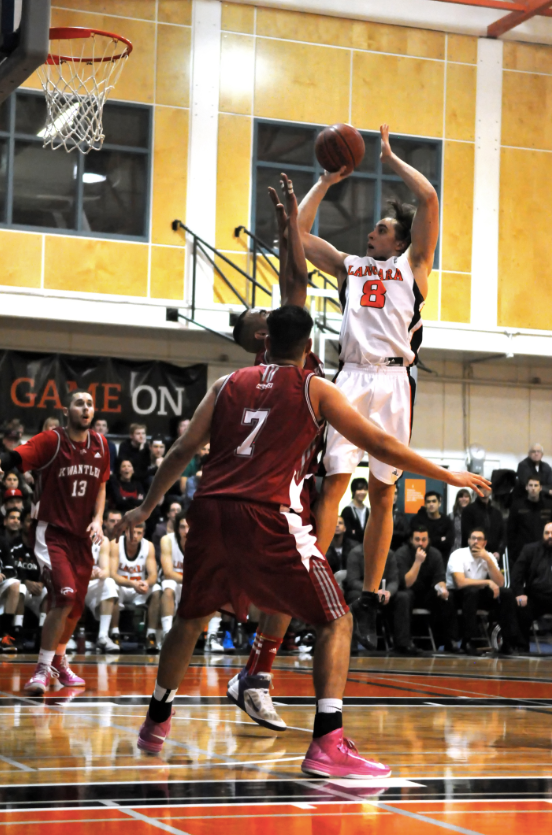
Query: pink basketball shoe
(40, 680)
(67, 677)
(152, 734)
(333, 755)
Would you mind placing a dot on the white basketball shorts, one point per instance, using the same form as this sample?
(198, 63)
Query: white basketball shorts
(99, 590)
(175, 587)
(382, 394)
(129, 597)
(33, 601)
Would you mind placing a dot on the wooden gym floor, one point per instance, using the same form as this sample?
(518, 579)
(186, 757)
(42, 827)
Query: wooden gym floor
(469, 741)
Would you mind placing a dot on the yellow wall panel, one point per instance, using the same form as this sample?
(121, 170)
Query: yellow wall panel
(143, 9)
(238, 18)
(222, 293)
(21, 256)
(462, 48)
(526, 98)
(173, 65)
(297, 26)
(167, 272)
(170, 168)
(233, 178)
(430, 310)
(400, 40)
(94, 266)
(401, 85)
(456, 234)
(524, 265)
(527, 57)
(455, 297)
(301, 83)
(175, 11)
(460, 102)
(237, 68)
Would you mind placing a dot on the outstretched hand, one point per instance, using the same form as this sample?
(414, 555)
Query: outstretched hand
(129, 521)
(386, 152)
(331, 177)
(281, 214)
(469, 480)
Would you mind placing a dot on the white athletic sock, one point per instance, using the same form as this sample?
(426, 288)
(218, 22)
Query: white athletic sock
(18, 620)
(115, 630)
(41, 619)
(150, 632)
(162, 694)
(105, 620)
(213, 625)
(46, 656)
(329, 706)
(166, 623)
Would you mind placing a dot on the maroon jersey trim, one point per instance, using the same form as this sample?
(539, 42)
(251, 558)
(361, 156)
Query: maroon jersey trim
(307, 398)
(54, 456)
(222, 386)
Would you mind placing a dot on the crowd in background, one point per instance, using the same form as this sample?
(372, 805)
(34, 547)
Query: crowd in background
(491, 553)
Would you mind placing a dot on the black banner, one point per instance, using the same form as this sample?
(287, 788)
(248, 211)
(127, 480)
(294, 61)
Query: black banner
(33, 387)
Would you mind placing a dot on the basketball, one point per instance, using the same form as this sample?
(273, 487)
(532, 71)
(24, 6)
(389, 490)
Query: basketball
(339, 145)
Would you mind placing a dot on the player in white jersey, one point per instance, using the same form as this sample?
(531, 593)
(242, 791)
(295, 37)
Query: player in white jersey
(172, 564)
(134, 569)
(382, 294)
(102, 595)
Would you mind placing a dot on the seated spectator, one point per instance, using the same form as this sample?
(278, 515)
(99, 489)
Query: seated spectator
(11, 438)
(135, 450)
(356, 514)
(182, 427)
(102, 595)
(100, 426)
(165, 526)
(401, 528)
(110, 521)
(12, 526)
(462, 500)
(193, 468)
(534, 466)
(50, 423)
(339, 549)
(172, 565)
(14, 480)
(9, 598)
(532, 582)
(134, 569)
(421, 586)
(353, 588)
(527, 518)
(32, 591)
(123, 491)
(440, 527)
(476, 581)
(481, 514)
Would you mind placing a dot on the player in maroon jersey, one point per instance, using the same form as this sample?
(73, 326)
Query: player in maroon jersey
(247, 541)
(71, 467)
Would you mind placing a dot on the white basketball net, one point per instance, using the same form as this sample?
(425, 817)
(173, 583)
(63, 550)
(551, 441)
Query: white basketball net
(77, 79)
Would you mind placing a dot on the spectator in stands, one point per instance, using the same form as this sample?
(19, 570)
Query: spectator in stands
(12, 527)
(182, 426)
(354, 582)
(533, 465)
(9, 598)
(134, 569)
(532, 582)
(193, 468)
(123, 491)
(102, 595)
(12, 500)
(481, 513)
(527, 518)
(13, 432)
(50, 423)
(476, 581)
(439, 526)
(101, 427)
(356, 514)
(340, 547)
(165, 526)
(401, 528)
(462, 500)
(191, 482)
(172, 564)
(32, 591)
(421, 586)
(110, 521)
(14, 480)
(135, 450)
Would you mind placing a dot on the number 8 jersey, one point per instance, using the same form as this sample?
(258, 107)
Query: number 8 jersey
(381, 311)
(264, 434)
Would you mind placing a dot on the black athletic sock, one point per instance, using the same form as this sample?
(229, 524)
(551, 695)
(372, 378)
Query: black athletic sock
(159, 711)
(325, 723)
(367, 598)
(5, 624)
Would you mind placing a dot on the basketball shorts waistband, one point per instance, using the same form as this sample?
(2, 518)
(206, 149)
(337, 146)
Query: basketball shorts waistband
(369, 368)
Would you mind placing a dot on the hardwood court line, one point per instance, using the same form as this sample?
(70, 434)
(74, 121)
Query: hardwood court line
(432, 673)
(423, 819)
(16, 764)
(463, 693)
(144, 818)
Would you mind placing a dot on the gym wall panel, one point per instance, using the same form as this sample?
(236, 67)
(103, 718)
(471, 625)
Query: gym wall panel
(455, 297)
(400, 40)
(402, 84)
(172, 78)
(301, 83)
(430, 310)
(21, 254)
(144, 9)
(233, 178)
(222, 293)
(498, 422)
(170, 170)
(297, 26)
(462, 48)
(175, 11)
(460, 102)
(525, 267)
(457, 206)
(527, 57)
(237, 69)
(167, 272)
(86, 265)
(238, 18)
(526, 110)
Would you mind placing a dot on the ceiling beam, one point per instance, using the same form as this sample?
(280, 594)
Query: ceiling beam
(532, 8)
(499, 4)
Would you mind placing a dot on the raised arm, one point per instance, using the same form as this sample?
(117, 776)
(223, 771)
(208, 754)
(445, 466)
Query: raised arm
(425, 226)
(329, 403)
(322, 254)
(294, 274)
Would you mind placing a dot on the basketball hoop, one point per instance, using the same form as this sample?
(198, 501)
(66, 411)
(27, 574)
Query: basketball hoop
(82, 68)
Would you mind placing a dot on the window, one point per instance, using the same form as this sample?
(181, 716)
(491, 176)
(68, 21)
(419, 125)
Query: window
(351, 208)
(103, 193)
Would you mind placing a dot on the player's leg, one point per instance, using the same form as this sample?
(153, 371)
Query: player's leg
(10, 598)
(167, 605)
(326, 509)
(82, 564)
(107, 598)
(154, 608)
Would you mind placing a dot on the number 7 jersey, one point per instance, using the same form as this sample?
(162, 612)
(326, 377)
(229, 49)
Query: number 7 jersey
(381, 311)
(263, 436)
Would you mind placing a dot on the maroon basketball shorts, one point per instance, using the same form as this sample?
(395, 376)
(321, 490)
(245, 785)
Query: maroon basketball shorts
(66, 565)
(238, 552)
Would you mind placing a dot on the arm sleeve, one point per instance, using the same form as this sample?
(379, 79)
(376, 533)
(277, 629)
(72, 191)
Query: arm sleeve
(437, 568)
(519, 571)
(39, 451)
(107, 466)
(355, 569)
(402, 567)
